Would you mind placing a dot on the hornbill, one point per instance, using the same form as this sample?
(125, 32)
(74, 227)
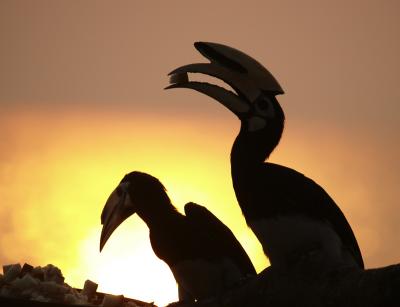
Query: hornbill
(297, 223)
(202, 253)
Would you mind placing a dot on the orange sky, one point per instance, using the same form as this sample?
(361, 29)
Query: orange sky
(81, 104)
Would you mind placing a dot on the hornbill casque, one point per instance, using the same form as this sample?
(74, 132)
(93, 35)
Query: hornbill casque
(203, 254)
(297, 223)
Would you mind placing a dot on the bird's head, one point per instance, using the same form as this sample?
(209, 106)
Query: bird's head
(136, 193)
(253, 101)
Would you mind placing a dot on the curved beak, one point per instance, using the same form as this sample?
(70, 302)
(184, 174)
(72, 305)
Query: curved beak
(116, 210)
(244, 74)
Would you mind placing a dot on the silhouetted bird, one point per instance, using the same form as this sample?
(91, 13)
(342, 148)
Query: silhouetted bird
(202, 253)
(296, 221)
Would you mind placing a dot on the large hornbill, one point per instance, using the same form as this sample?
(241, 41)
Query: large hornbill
(202, 253)
(296, 221)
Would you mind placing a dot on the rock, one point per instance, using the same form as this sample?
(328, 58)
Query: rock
(26, 282)
(11, 272)
(26, 268)
(53, 273)
(112, 300)
(89, 289)
(37, 273)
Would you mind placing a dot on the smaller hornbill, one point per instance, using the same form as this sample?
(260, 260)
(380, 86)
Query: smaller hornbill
(202, 253)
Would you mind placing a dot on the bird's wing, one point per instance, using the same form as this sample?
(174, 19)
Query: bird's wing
(223, 238)
(337, 219)
(313, 200)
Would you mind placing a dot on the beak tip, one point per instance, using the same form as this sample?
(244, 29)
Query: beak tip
(198, 45)
(176, 85)
(103, 240)
(102, 244)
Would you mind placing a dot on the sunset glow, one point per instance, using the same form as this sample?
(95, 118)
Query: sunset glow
(82, 104)
(65, 172)
(63, 169)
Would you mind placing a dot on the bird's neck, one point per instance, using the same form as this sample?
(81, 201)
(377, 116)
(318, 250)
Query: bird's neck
(156, 209)
(158, 213)
(251, 149)
(249, 152)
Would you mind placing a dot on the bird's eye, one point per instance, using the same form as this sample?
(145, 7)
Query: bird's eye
(263, 104)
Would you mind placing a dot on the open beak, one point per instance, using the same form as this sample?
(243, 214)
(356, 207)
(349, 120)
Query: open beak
(247, 77)
(116, 210)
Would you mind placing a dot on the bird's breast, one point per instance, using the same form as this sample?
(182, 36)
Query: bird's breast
(298, 240)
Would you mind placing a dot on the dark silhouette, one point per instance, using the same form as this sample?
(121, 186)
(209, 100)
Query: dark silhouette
(296, 221)
(202, 253)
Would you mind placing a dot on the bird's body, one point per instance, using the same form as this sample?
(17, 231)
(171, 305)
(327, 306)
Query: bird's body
(202, 253)
(293, 217)
(199, 251)
(296, 221)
